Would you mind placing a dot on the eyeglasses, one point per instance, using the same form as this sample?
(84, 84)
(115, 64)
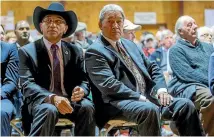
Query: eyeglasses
(48, 21)
(206, 35)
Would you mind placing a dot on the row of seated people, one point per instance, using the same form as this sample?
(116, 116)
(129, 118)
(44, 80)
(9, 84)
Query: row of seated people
(122, 80)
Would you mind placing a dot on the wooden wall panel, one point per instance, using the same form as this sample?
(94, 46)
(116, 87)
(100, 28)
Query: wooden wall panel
(88, 11)
(196, 10)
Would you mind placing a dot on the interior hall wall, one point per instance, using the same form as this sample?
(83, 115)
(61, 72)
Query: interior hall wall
(88, 11)
(196, 10)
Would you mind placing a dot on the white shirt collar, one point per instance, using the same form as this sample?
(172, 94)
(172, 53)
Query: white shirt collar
(164, 49)
(18, 46)
(113, 43)
(48, 44)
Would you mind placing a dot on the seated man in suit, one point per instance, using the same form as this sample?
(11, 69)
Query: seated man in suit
(52, 76)
(9, 83)
(125, 83)
(189, 59)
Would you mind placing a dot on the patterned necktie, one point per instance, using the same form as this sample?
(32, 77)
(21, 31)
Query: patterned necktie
(132, 66)
(56, 70)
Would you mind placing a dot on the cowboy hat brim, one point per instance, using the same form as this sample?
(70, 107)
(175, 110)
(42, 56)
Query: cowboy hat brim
(69, 16)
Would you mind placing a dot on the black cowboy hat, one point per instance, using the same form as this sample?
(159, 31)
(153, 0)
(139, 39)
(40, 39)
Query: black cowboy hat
(57, 9)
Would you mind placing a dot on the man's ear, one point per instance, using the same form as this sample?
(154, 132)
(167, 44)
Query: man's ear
(15, 31)
(100, 25)
(65, 29)
(40, 25)
(180, 31)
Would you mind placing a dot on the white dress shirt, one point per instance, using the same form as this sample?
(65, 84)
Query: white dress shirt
(59, 55)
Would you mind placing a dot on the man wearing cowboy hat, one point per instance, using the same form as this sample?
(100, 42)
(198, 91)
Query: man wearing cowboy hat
(52, 77)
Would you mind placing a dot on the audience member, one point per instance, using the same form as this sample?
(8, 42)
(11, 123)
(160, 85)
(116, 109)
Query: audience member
(52, 77)
(160, 54)
(22, 31)
(80, 36)
(2, 33)
(125, 83)
(149, 44)
(69, 39)
(129, 30)
(211, 74)
(158, 38)
(204, 34)
(10, 37)
(189, 59)
(9, 83)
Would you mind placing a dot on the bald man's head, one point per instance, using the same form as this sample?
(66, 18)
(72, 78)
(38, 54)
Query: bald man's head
(22, 30)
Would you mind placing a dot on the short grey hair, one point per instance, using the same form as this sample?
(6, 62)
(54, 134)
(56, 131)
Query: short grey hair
(164, 33)
(179, 24)
(202, 30)
(110, 7)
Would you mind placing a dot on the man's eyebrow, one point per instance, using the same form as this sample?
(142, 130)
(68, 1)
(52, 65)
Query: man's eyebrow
(114, 17)
(60, 18)
(49, 16)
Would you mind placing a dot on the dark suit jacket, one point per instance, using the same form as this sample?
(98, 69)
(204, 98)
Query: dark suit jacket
(112, 81)
(35, 71)
(9, 69)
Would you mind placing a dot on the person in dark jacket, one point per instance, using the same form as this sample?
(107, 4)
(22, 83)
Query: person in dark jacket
(189, 59)
(161, 54)
(52, 76)
(125, 83)
(9, 84)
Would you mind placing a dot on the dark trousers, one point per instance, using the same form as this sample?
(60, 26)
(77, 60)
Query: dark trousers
(204, 102)
(7, 110)
(45, 117)
(147, 116)
(183, 112)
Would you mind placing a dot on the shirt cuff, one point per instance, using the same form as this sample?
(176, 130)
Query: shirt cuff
(48, 99)
(161, 90)
(142, 98)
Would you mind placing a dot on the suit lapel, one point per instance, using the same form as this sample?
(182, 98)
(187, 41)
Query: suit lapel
(136, 57)
(65, 53)
(111, 48)
(42, 55)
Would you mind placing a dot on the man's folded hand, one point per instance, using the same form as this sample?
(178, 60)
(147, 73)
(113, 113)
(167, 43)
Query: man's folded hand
(63, 105)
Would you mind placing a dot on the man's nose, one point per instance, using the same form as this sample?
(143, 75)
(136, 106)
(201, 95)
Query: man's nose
(52, 24)
(115, 25)
(195, 26)
(25, 30)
